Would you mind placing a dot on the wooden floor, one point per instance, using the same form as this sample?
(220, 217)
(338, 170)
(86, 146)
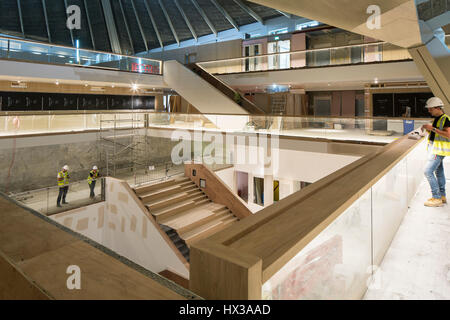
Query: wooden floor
(182, 206)
(35, 255)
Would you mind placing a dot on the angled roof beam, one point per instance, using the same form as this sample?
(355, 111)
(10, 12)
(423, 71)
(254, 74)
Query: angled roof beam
(225, 14)
(71, 31)
(19, 9)
(249, 11)
(44, 6)
(126, 26)
(203, 14)
(174, 32)
(287, 15)
(194, 34)
(139, 25)
(89, 24)
(155, 27)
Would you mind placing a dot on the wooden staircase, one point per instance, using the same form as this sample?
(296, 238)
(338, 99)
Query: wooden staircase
(184, 212)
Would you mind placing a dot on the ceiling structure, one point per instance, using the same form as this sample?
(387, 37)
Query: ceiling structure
(128, 26)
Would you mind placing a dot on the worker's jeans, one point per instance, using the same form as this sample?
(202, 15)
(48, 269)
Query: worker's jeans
(434, 172)
(62, 193)
(92, 187)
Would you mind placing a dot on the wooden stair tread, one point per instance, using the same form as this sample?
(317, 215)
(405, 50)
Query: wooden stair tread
(155, 186)
(186, 236)
(178, 205)
(170, 198)
(191, 216)
(160, 191)
(156, 195)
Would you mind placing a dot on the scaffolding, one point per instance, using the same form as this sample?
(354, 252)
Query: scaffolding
(122, 142)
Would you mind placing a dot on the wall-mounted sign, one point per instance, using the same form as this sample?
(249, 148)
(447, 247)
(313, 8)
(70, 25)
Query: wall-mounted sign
(144, 68)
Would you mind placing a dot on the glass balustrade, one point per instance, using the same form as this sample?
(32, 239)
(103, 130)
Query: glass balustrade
(25, 50)
(78, 195)
(343, 260)
(345, 55)
(365, 129)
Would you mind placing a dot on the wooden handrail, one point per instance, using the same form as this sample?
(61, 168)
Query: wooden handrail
(257, 247)
(249, 106)
(216, 190)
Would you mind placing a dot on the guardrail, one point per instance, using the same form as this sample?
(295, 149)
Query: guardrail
(44, 123)
(78, 195)
(323, 242)
(33, 51)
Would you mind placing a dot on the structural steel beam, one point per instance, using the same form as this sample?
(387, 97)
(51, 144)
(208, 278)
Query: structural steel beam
(67, 17)
(174, 32)
(194, 34)
(249, 11)
(46, 21)
(126, 26)
(139, 25)
(111, 27)
(203, 14)
(153, 23)
(287, 15)
(19, 8)
(226, 14)
(89, 24)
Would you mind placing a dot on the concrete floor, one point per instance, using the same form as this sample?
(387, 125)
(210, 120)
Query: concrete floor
(417, 264)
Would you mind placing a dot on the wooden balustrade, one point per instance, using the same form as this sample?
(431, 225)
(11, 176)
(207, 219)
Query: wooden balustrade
(234, 263)
(216, 190)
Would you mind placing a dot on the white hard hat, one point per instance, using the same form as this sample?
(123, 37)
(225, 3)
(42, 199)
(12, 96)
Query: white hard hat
(66, 167)
(94, 168)
(434, 102)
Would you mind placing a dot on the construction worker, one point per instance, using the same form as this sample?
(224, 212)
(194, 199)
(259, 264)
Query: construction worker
(93, 175)
(438, 149)
(63, 183)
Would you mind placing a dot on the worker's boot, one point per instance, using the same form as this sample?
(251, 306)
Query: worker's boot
(444, 199)
(433, 202)
(58, 205)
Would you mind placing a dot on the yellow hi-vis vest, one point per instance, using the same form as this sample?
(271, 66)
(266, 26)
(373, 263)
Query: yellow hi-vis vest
(63, 178)
(95, 176)
(441, 144)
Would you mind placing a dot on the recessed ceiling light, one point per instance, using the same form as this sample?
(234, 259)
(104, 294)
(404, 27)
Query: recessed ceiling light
(57, 82)
(134, 87)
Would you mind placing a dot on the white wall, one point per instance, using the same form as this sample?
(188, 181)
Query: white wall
(121, 225)
(289, 167)
(299, 165)
(227, 176)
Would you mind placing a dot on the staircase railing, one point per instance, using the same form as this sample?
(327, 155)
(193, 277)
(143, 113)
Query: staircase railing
(225, 89)
(323, 242)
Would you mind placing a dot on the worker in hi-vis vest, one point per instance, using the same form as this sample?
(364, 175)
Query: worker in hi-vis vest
(438, 149)
(63, 183)
(92, 177)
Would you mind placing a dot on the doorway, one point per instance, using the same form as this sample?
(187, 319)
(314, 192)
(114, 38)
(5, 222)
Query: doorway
(279, 61)
(242, 185)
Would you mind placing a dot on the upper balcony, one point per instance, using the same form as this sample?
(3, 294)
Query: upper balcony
(32, 51)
